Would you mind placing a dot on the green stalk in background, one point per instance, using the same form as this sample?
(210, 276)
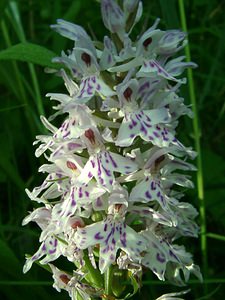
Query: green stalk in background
(14, 16)
(197, 134)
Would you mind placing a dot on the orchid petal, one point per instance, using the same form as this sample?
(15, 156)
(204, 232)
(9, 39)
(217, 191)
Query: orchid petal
(156, 256)
(51, 248)
(113, 17)
(151, 68)
(171, 42)
(142, 124)
(175, 67)
(70, 62)
(107, 59)
(102, 166)
(111, 235)
(86, 61)
(149, 190)
(92, 85)
(149, 213)
(70, 30)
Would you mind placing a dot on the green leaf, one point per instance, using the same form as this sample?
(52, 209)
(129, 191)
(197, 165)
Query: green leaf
(3, 4)
(214, 169)
(9, 262)
(135, 286)
(32, 53)
(169, 12)
(9, 169)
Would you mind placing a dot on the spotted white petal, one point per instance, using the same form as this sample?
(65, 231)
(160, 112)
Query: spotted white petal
(176, 66)
(111, 235)
(91, 85)
(182, 263)
(102, 166)
(151, 68)
(51, 248)
(155, 257)
(150, 190)
(145, 123)
(77, 197)
(148, 87)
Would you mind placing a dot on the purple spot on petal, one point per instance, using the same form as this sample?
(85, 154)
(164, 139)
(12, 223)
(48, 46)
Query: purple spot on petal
(143, 129)
(156, 134)
(99, 202)
(113, 161)
(112, 257)
(52, 251)
(160, 257)
(153, 187)
(98, 236)
(173, 255)
(148, 195)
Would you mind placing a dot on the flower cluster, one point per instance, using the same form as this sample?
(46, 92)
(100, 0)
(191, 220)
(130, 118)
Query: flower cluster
(111, 198)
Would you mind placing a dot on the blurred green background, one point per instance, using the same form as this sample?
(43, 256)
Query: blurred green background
(23, 89)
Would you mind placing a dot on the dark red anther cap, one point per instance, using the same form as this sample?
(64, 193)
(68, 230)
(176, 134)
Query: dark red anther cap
(65, 279)
(71, 165)
(147, 42)
(90, 135)
(127, 93)
(86, 58)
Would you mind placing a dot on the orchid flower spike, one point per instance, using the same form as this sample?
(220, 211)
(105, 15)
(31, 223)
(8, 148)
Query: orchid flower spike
(115, 172)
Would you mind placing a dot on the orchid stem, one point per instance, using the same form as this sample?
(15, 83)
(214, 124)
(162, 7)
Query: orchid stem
(93, 274)
(108, 280)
